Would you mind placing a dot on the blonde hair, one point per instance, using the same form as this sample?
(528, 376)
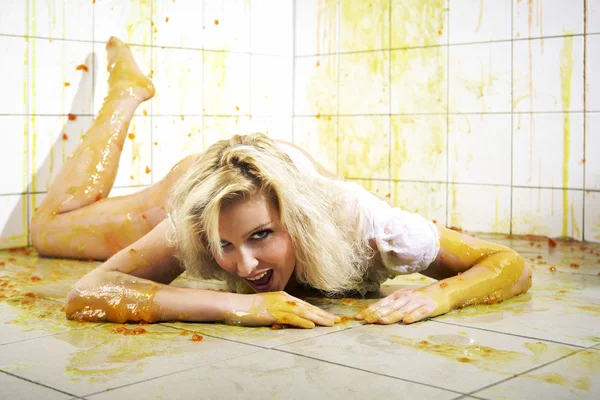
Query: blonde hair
(331, 253)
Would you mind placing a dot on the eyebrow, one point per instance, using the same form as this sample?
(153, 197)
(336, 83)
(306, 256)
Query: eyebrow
(257, 228)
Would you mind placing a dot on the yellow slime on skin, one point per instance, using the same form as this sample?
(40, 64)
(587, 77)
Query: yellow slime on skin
(119, 301)
(497, 273)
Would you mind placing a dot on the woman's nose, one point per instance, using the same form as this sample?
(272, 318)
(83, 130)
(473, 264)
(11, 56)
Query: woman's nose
(247, 262)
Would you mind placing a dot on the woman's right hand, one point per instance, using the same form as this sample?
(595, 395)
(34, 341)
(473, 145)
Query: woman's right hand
(277, 308)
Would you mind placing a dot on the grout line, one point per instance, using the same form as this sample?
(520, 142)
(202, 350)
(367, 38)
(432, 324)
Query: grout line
(293, 118)
(366, 370)
(448, 44)
(27, 127)
(585, 99)
(390, 133)
(202, 97)
(250, 60)
(354, 178)
(509, 334)
(173, 373)
(37, 383)
(339, 69)
(526, 372)
(332, 115)
(447, 213)
(512, 118)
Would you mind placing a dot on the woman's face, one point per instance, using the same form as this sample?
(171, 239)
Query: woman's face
(255, 244)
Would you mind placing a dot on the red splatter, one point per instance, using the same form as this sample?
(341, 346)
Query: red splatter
(196, 338)
(36, 278)
(551, 242)
(72, 117)
(82, 67)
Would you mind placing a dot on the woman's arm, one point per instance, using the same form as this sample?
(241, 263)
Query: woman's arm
(471, 270)
(133, 286)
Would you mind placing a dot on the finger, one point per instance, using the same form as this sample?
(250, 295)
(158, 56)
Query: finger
(372, 309)
(294, 320)
(393, 306)
(397, 315)
(318, 311)
(417, 315)
(315, 316)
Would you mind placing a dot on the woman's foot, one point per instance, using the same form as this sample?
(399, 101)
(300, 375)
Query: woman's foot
(125, 78)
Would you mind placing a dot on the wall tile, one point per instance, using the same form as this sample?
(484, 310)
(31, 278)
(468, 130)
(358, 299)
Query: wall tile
(593, 16)
(14, 18)
(380, 188)
(592, 73)
(365, 25)
(130, 21)
(219, 128)
(419, 80)
(62, 19)
(14, 53)
(267, 17)
(548, 212)
(55, 84)
(226, 83)
(270, 86)
(539, 143)
(419, 147)
(274, 127)
(479, 21)
(592, 151)
(317, 27)
(480, 77)
(316, 85)
(143, 58)
(426, 199)
(13, 221)
(479, 208)
(364, 147)
(319, 137)
(178, 81)
(227, 25)
(419, 23)
(537, 18)
(479, 146)
(174, 138)
(364, 83)
(178, 23)
(548, 74)
(592, 217)
(51, 140)
(13, 154)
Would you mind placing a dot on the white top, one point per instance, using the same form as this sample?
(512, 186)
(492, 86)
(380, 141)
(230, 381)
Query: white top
(407, 242)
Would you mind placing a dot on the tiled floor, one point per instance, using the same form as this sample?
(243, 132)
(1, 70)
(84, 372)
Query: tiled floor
(544, 344)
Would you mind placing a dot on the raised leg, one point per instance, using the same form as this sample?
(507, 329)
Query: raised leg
(75, 220)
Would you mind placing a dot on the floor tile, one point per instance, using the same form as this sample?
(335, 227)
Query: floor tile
(560, 307)
(15, 388)
(91, 360)
(275, 375)
(576, 376)
(445, 356)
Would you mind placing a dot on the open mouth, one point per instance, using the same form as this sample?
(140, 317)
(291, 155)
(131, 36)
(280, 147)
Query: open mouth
(263, 282)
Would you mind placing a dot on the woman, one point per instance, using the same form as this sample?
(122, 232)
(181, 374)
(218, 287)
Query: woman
(259, 214)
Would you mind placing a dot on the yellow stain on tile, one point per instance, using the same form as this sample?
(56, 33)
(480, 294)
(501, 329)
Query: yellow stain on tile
(365, 25)
(327, 26)
(364, 149)
(482, 84)
(418, 23)
(419, 80)
(566, 80)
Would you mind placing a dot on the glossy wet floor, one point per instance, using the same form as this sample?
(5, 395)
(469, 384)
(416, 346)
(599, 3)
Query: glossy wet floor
(544, 344)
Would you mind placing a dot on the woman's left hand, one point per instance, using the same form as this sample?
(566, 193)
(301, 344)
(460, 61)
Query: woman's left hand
(406, 305)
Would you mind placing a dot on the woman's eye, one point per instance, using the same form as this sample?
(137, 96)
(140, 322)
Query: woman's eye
(262, 234)
(224, 244)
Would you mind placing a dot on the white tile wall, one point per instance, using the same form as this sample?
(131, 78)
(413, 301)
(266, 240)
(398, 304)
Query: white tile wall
(446, 105)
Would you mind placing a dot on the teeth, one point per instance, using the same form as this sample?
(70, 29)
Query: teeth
(257, 277)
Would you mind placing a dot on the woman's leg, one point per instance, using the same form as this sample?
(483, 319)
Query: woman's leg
(75, 219)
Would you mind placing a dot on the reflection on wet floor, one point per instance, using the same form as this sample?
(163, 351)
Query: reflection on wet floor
(555, 324)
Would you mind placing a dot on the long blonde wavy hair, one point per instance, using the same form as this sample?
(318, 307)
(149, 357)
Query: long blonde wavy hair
(330, 250)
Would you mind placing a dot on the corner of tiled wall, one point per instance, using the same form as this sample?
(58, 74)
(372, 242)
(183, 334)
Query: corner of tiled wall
(217, 66)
